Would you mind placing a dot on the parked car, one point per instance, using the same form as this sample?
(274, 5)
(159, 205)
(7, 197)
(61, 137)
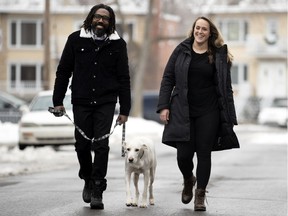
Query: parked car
(149, 106)
(275, 114)
(38, 127)
(150, 102)
(11, 107)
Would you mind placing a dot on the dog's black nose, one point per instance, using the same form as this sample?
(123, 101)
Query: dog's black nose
(130, 160)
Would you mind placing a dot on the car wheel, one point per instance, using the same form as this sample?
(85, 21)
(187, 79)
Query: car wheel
(56, 147)
(21, 146)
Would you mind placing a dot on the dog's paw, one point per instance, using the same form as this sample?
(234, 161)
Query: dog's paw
(129, 201)
(134, 204)
(151, 201)
(131, 204)
(143, 205)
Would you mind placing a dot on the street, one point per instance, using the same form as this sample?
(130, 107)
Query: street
(250, 181)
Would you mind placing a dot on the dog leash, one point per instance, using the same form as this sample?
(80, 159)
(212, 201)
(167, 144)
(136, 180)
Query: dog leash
(123, 141)
(104, 136)
(93, 139)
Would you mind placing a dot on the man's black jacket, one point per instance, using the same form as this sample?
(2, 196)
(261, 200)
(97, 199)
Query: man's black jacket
(99, 74)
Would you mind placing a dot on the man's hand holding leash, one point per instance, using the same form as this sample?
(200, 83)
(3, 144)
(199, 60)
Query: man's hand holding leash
(57, 111)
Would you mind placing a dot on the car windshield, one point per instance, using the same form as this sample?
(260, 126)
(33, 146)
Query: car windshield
(280, 102)
(12, 99)
(43, 102)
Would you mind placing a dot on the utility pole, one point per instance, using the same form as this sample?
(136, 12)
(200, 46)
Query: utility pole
(46, 39)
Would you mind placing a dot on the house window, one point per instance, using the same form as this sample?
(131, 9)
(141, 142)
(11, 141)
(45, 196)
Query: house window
(239, 74)
(25, 33)
(25, 76)
(235, 74)
(126, 35)
(234, 30)
(272, 34)
(28, 73)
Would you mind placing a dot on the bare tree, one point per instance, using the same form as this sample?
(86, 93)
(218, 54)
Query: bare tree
(47, 44)
(138, 78)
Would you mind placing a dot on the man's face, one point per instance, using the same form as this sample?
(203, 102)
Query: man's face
(100, 22)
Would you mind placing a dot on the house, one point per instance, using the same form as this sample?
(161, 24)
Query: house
(254, 30)
(256, 34)
(23, 38)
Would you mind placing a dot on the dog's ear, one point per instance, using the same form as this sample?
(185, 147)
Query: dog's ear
(144, 147)
(142, 150)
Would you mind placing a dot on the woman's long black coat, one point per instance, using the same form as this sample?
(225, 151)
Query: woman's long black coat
(173, 96)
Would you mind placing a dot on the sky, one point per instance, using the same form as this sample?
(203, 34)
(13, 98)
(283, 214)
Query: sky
(16, 162)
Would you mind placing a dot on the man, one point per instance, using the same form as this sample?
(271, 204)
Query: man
(97, 58)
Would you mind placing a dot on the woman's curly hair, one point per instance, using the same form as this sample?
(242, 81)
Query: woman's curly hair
(88, 21)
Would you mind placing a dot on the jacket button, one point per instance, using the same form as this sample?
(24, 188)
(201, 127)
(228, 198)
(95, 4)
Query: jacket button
(94, 102)
(93, 89)
(95, 63)
(94, 76)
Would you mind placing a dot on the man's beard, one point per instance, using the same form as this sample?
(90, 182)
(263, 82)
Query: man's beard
(99, 32)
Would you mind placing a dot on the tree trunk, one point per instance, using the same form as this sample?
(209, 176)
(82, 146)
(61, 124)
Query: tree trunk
(137, 101)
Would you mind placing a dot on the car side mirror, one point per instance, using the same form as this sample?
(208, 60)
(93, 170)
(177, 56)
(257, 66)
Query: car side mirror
(24, 109)
(7, 106)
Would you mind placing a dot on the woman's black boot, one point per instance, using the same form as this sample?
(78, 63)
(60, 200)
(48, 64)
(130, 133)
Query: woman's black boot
(187, 193)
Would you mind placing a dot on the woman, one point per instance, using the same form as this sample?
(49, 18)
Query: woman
(197, 106)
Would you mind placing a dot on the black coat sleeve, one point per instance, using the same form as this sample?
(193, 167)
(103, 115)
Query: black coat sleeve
(230, 98)
(168, 82)
(63, 73)
(124, 81)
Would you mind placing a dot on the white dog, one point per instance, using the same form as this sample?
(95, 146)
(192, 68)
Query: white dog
(140, 157)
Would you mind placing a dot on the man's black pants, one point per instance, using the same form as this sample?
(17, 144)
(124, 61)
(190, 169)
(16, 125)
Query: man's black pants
(94, 121)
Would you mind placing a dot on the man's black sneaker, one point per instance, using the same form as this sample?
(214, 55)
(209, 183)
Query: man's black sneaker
(96, 198)
(96, 203)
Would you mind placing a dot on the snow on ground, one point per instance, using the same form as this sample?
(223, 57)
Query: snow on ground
(15, 162)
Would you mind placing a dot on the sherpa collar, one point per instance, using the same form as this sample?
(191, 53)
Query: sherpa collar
(87, 34)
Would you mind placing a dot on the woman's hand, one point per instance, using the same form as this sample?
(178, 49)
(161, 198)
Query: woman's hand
(164, 116)
(122, 119)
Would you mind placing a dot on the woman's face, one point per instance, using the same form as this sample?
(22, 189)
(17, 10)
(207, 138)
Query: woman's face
(201, 31)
